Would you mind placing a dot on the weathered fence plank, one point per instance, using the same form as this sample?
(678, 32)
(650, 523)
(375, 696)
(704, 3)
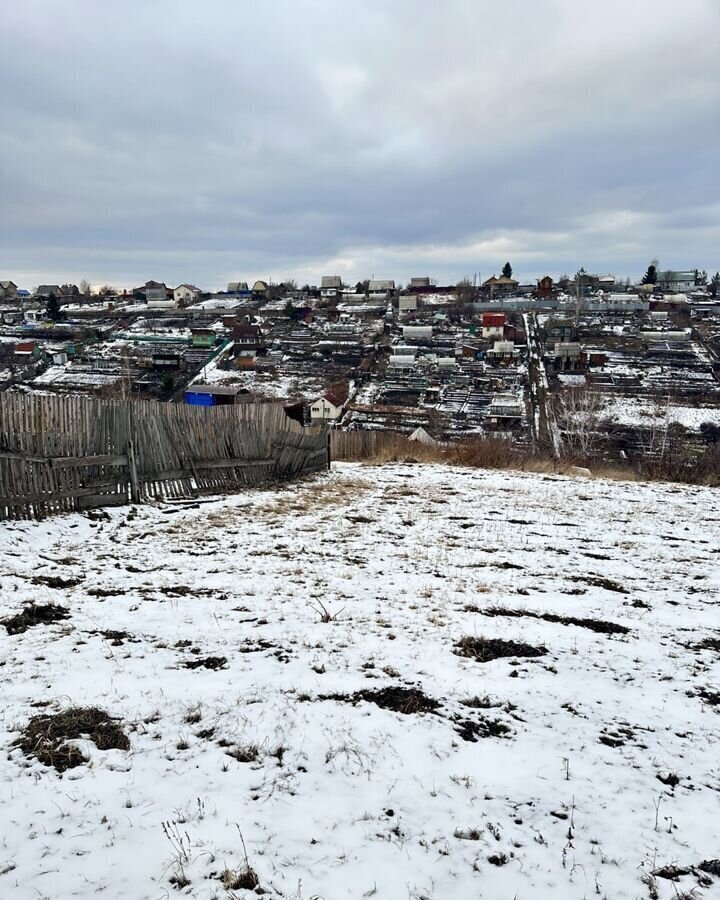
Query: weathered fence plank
(63, 453)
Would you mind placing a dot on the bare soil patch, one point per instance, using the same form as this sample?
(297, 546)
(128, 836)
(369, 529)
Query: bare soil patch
(475, 729)
(118, 638)
(207, 662)
(35, 614)
(607, 583)
(399, 699)
(261, 645)
(56, 581)
(711, 643)
(46, 737)
(483, 649)
(597, 625)
(712, 698)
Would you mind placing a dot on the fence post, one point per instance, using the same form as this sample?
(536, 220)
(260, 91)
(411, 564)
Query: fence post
(134, 488)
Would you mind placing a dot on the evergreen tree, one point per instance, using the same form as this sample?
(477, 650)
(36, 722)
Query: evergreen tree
(715, 285)
(507, 270)
(53, 308)
(650, 277)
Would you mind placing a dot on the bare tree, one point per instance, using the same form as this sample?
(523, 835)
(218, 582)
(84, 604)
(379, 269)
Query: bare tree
(85, 287)
(577, 414)
(464, 292)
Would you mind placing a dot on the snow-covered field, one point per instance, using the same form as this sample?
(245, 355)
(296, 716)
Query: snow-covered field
(575, 773)
(637, 412)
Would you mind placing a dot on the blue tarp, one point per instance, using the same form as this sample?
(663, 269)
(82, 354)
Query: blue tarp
(195, 399)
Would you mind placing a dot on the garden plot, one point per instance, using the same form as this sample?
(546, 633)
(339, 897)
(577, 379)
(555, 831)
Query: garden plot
(394, 682)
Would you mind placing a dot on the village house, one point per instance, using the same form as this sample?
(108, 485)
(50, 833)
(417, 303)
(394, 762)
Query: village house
(501, 287)
(330, 286)
(407, 303)
(327, 408)
(503, 353)
(247, 337)
(153, 291)
(48, 290)
(378, 288)
(676, 282)
(493, 326)
(185, 294)
(260, 290)
(203, 337)
(237, 287)
(545, 288)
(8, 290)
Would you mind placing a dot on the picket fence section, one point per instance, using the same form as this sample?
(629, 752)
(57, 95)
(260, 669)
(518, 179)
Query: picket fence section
(59, 454)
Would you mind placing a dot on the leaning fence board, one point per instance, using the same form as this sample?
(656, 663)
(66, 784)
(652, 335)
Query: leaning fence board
(56, 452)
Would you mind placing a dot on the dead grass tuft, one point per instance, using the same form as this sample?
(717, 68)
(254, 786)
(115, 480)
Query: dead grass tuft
(35, 614)
(712, 698)
(474, 730)
(485, 702)
(207, 662)
(484, 650)
(56, 581)
(607, 583)
(245, 753)
(239, 879)
(46, 737)
(596, 625)
(407, 701)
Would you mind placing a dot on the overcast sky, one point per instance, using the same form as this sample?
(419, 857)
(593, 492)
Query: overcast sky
(221, 140)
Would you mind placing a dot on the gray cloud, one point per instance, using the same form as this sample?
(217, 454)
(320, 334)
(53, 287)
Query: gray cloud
(200, 142)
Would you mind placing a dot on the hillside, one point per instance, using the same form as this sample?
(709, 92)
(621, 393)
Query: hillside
(317, 674)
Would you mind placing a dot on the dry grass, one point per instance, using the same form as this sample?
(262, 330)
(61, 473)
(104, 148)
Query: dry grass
(484, 650)
(321, 497)
(376, 448)
(407, 701)
(597, 625)
(46, 737)
(239, 879)
(35, 614)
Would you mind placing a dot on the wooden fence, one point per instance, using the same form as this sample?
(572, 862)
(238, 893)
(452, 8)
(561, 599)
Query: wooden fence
(59, 454)
(360, 445)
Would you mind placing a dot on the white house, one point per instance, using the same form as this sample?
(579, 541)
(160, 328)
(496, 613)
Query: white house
(327, 408)
(493, 332)
(186, 294)
(330, 285)
(676, 282)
